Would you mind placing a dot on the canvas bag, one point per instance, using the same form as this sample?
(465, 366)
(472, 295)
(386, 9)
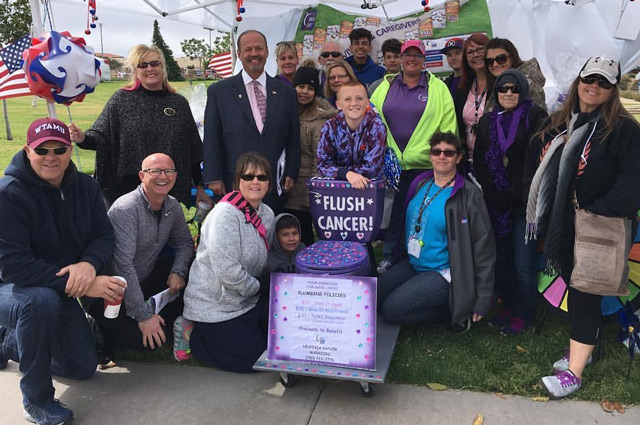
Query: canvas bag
(601, 252)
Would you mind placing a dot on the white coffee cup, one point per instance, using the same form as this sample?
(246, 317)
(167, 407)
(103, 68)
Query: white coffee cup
(112, 309)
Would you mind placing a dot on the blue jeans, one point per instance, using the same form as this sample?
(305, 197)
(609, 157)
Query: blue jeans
(47, 334)
(516, 280)
(406, 296)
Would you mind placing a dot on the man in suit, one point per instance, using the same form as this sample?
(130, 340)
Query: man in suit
(251, 111)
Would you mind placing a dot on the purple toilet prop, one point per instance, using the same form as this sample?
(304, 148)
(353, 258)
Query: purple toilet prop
(345, 220)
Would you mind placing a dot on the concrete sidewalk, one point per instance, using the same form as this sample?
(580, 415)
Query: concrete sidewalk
(155, 394)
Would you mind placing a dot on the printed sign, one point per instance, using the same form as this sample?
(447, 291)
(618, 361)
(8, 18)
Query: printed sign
(354, 214)
(323, 319)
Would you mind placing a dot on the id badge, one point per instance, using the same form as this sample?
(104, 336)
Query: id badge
(413, 247)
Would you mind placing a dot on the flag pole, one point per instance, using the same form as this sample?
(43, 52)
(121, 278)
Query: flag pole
(38, 29)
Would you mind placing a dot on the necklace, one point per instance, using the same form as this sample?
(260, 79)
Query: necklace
(426, 200)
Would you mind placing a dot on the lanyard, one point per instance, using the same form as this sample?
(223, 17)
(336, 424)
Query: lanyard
(478, 100)
(426, 201)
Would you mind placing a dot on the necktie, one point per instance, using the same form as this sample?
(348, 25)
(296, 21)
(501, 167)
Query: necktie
(261, 99)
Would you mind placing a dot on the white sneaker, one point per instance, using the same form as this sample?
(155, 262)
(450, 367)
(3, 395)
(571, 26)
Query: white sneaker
(562, 365)
(561, 385)
(383, 266)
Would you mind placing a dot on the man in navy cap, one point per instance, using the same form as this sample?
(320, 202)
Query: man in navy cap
(55, 238)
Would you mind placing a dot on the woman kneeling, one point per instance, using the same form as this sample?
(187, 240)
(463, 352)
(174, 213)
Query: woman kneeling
(448, 247)
(224, 299)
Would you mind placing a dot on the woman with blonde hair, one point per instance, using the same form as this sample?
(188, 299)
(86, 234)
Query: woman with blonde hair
(143, 117)
(286, 55)
(338, 72)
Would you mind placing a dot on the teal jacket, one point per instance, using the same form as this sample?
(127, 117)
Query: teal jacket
(439, 115)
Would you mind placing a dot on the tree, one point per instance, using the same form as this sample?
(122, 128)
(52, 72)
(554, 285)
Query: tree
(16, 22)
(173, 70)
(197, 49)
(222, 43)
(115, 64)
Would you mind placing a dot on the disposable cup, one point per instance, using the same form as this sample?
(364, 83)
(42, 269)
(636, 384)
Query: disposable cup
(112, 309)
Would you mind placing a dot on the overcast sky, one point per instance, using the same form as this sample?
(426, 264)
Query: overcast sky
(121, 30)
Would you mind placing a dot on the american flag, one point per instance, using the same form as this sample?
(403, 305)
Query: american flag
(12, 77)
(221, 63)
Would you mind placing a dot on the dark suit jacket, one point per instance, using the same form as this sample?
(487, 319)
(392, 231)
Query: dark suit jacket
(230, 131)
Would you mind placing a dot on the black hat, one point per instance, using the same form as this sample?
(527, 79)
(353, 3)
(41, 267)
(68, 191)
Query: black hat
(307, 75)
(516, 77)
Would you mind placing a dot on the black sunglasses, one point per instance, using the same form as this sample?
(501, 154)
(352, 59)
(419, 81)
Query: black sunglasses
(332, 54)
(602, 82)
(504, 88)
(43, 151)
(153, 64)
(250, 177)
(447, 152)
(500, 59)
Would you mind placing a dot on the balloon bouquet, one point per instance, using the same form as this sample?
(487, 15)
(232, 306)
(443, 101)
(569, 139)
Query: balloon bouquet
(62, 69)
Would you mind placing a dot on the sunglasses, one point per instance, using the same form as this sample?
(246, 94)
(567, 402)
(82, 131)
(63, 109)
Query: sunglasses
(153, 64)
(332, 54)
(602, 82)
(250, 177)
(500, 60)
(447, 152)
(169, 172)
(43, 151)
(504, 89)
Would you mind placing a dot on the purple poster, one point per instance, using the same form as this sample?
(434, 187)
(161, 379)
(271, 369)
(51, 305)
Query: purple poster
(323, 319)
(308, 21)
(342, 213)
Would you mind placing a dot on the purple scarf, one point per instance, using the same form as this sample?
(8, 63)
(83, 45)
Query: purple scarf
(503, 128)
(236, 199)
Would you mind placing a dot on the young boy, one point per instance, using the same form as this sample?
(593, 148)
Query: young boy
(282, 258)
(352, 144)
(391, 61)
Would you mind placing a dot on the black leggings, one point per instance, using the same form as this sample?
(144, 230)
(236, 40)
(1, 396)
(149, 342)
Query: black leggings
(585, 314)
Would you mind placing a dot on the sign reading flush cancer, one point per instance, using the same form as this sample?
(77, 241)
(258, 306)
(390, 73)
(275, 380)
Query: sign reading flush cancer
(343, 213)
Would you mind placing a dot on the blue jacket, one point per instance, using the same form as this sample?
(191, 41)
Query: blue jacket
(368, 73)
(44, 228)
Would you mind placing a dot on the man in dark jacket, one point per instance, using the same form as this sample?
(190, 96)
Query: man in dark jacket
(54, 239)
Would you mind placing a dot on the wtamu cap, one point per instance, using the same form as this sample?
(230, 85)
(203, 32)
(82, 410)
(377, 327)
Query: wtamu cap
(47, 129)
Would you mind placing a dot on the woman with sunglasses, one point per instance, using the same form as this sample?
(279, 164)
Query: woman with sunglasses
(338, 72)
(313, 113)
(590, 149)
(224, 300)
(501, 55)
(144, 117)
(447, 269)
(501, 145)
(286, 55)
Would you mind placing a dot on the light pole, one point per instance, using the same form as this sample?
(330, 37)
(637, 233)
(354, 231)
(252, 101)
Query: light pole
(209, 29)
(101, 45)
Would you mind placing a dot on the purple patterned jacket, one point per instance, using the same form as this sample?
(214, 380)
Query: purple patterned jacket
(362, 151)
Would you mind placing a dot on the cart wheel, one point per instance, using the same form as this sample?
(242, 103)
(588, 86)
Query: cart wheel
(287, 380)
(366, 389)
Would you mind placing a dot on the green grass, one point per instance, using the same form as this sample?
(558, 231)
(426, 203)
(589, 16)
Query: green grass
(480, 360)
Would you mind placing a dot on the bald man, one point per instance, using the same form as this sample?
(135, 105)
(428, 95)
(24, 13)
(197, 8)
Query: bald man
(144, 221)
(329, 52)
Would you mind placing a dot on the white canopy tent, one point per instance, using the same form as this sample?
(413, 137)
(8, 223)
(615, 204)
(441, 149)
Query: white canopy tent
(560, 35)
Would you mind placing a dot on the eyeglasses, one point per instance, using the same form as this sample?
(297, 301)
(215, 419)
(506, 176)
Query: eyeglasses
(479, 51)
(413, 55)
(447, 152)
(43, 151)
(250, 177)
(338, 77)
(332, 54)
(169, 172)
(500, 60)
(504, 89)
(152, 64)
(601, 81)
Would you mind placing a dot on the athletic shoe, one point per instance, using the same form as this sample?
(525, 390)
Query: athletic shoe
(383, 266)
(562, 365)
(3, 359)
(516, 325)
(561, 385)
(181, 332)
(51, 413)
(461, 327)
